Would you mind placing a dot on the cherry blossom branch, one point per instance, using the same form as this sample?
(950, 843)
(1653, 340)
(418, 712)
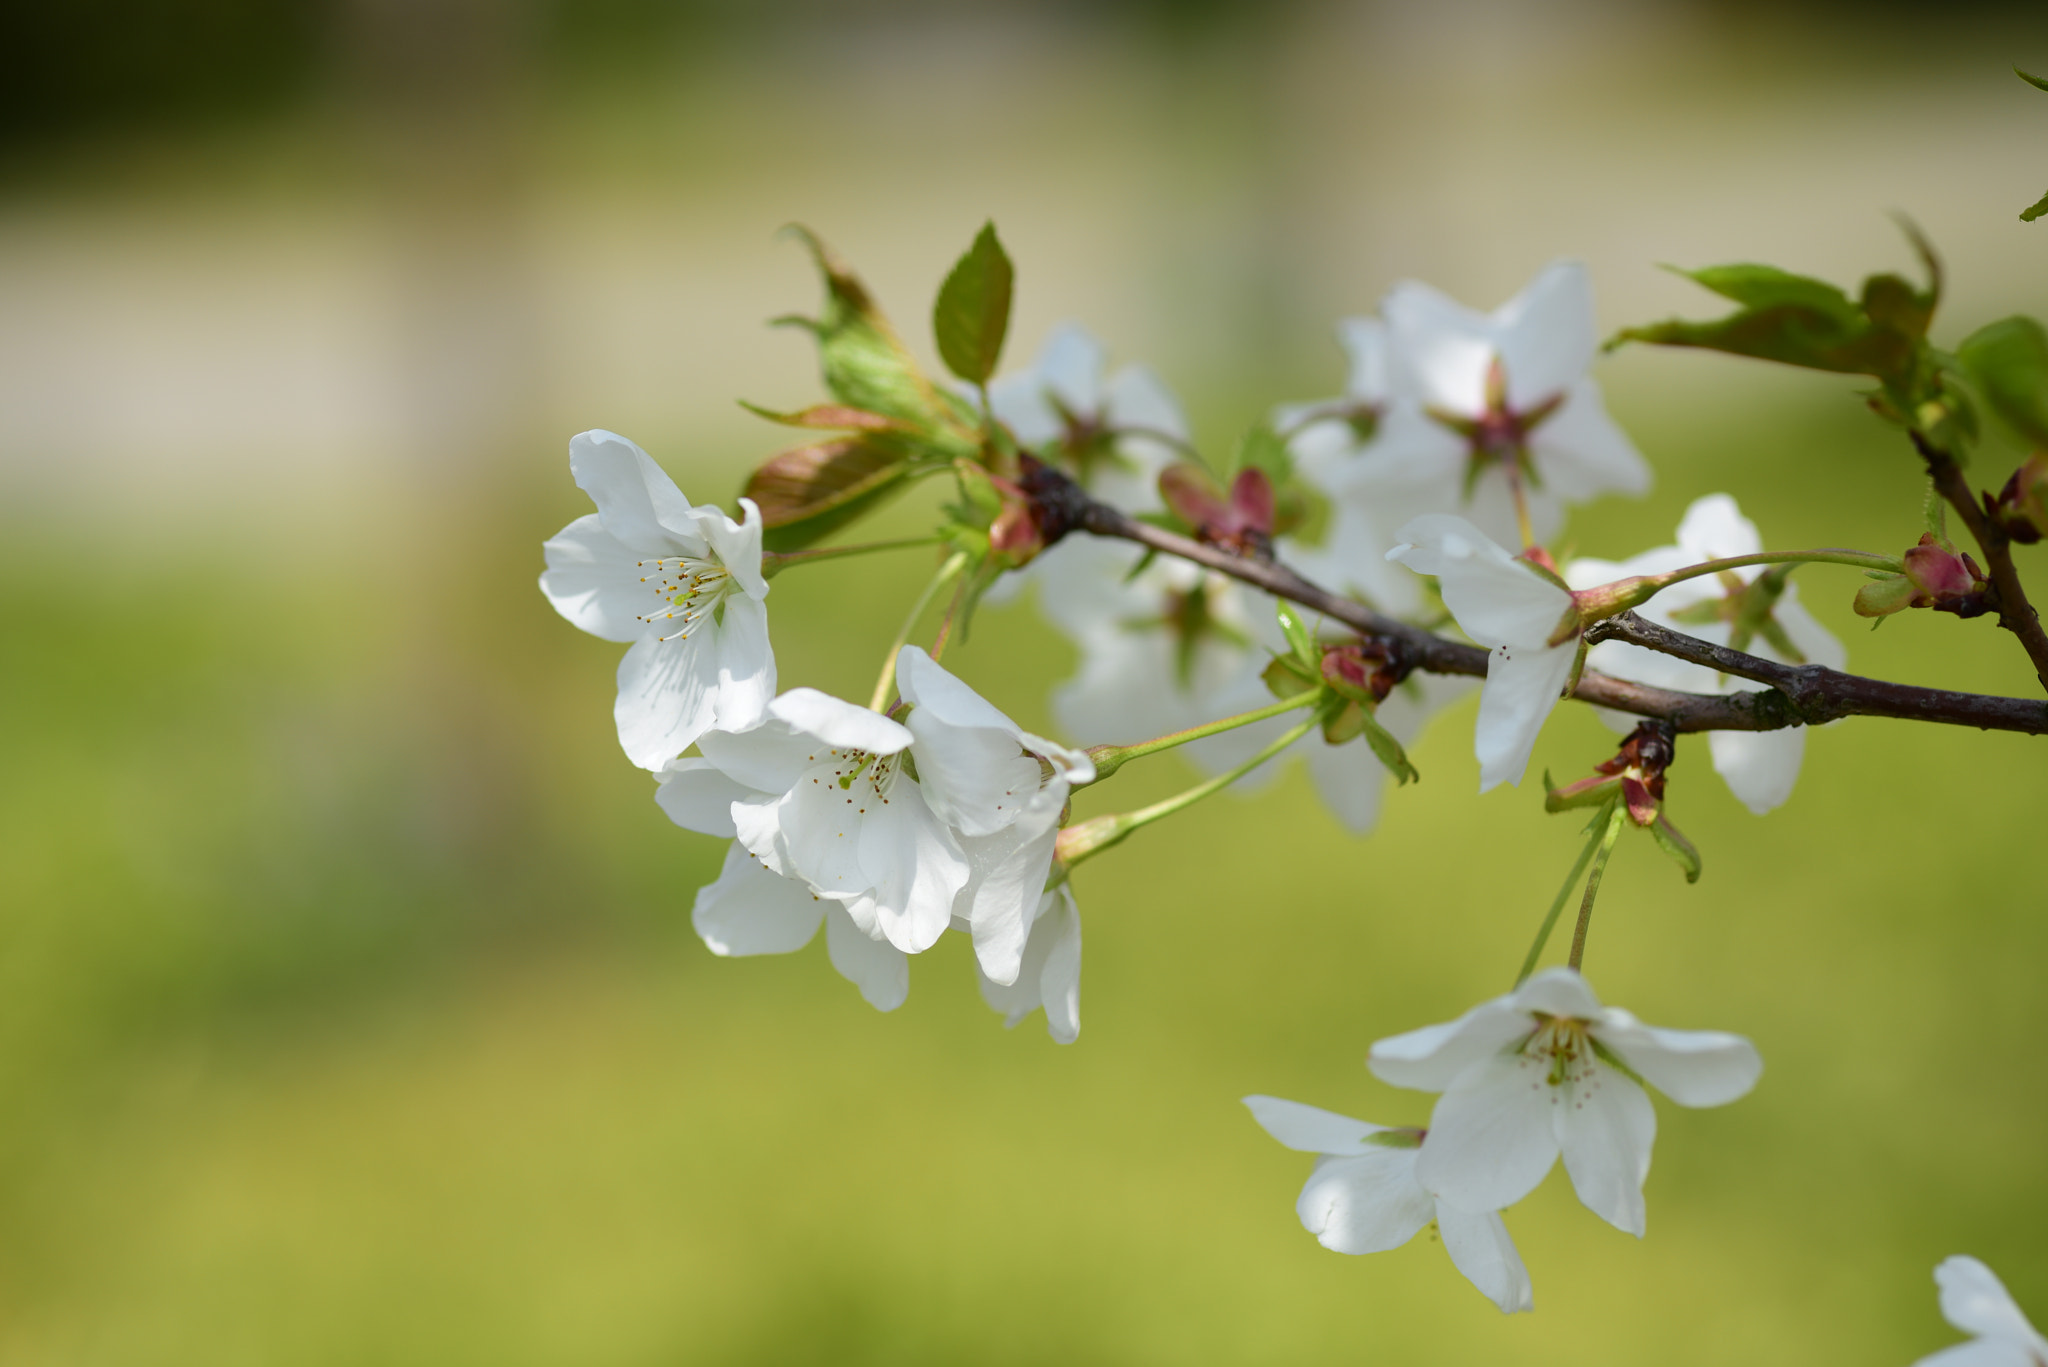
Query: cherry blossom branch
(1796, 695)
(2015, 613)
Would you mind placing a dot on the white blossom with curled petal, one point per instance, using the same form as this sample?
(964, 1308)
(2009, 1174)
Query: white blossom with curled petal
(1546, 1070)
(1976, 1302)
(681, 582)
(1759, 767)
(1363, 1197)
(1509, 385)
(1516, 611)
(1049, 971)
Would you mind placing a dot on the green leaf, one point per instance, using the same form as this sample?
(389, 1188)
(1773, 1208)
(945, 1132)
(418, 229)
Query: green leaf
(1297, 633)
(810, 491)
(2008, 361)
(1286, 677)
(1681, 851)
(831, 417)
(1761, 287)
(1388, 749)
(2034, 210)
(972, 313)
(1260, 448)
(866, 365)
(2034, 81)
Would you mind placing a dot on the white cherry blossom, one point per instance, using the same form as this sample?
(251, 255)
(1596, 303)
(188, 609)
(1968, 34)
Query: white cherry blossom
(1976, 1302)
(1522, 615)
(1759, 767)
(1363, 1197)
(1121, 430)
(1049, 973)
(1506, 397)
(1546, 1070)
(681, 582)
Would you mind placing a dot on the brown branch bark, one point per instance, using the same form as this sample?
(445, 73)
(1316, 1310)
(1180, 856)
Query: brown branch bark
(1794, 695)
(2015, 613)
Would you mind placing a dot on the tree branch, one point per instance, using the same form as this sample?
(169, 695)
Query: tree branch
(2015, 613)
(1794, 695)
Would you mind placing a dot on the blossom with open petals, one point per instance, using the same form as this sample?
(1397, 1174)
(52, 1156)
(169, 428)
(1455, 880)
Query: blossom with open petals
(1523, 615)
(1976, 1302)
(1363, 1197)
(1546, 1070)
(1759, 767)
(681, 582)
(1116, 434)
(1507, 399)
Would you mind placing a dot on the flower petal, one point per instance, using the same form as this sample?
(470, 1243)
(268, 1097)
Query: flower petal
(1976, 1302)
(1982, 1353)
(1496, 598)
(698, 796)
(1491, 1138)
(839, 723)
(1443, 348)
(913, 865)
(878, 969)
(1547, 334)
(1714, 528)
(1050, 975)
(595, 581)
(1366, 1204)
(636, 500)
(1311, 1129)
(1760, 767)
(745, 664)
(667, 698)
(752, 911)
(1692, 1067)
(1557, 991)
(1432, 1058)
(1605, 1127)
(736, 544)
(1349, 779)
(768, 758)
(1522, 686)
(1365, 342)
(1480, 1248)
(1581, 452)
(1006, 880)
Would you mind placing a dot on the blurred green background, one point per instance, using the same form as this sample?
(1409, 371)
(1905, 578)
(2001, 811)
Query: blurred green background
(349, 1010)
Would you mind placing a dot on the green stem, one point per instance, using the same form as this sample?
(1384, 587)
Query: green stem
(1091, 837)
(1860, 559)
(955, 563)
(1109, 758)
(1596, 835)
(1614, 822)
(774, 562)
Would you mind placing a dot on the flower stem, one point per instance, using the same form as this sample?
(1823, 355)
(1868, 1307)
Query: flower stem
(1597, 833)
(774, 562)
(1860, 559)
(955, 563)
(1109, 758)
(1091, 837)
(1522, 522)
(946, 622)
(1615, 819)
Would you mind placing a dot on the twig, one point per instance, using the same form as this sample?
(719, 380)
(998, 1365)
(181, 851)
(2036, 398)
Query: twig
(2015, 613)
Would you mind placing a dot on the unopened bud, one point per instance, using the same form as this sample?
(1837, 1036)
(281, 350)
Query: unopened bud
(2021, 508)
(1936, 577)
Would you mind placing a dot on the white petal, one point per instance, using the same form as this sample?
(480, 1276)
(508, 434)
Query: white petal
(839, 723)
(914, 866)
(752, 911)
(1480, 1248)
(1069, 366)
(1605, 1126)
(1714, 528)
(1547, 334)
(1006, 880)
(1350, 779)
(1432, 1058)
(928, 685)
(1311, 1129)
(636, 500)
(1051, 972)
(1443, 348)
(1760, 767)
(736, 544)
(595, 581)
(1139, 398)
(1496, 598)
(767, 758)
(698, 796)
(1692, 1067)
(1365, 341)
(1366, 1204)
(1557, 991)
(1815, 642)
(1491, 1138)
(814, 832)
(744, 662)
(1580, 451)
(1522, 686)
(1976, 1302)
(667, 698)
(879, 970)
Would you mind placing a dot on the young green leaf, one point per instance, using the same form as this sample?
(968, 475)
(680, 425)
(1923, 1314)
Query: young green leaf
(1388, 749)
(1680, 850)
(2008, 361)
(2034, 81)
(1299, 637)
(972, 313)
(2034, 210)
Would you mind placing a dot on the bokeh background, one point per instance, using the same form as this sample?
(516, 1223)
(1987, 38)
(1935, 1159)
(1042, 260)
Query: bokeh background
(349, 1009)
